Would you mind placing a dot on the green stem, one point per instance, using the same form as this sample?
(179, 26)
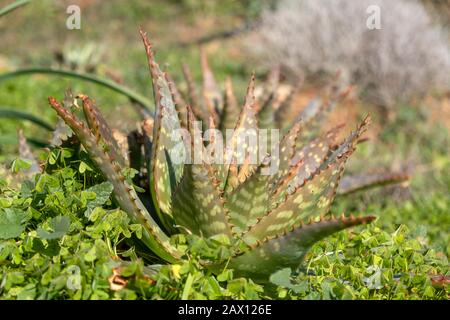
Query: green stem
(15, 114)
(132, 95)
(13, 6)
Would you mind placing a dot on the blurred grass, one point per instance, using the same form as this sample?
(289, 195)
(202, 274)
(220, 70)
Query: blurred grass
(32, 36)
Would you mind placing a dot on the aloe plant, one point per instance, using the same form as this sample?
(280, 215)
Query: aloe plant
(272, 219)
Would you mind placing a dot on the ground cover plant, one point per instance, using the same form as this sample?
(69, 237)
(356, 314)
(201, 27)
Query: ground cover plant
(64, 234)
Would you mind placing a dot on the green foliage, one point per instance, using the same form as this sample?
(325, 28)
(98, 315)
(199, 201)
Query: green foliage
(20, 164)
(12, 223)
(59, 226)
(373, 264)
(82, 263)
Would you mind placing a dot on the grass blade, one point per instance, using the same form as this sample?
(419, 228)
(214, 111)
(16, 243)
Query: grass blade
(9, 113)
(130, 94)
(13, 6)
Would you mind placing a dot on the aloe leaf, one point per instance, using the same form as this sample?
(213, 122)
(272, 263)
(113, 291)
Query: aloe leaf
(317, 111)
(211, 91)
(197, 202)
(13, 6)
(305, 162)
(231, 177)
(266, 115)
(284, 114)
(317, 156)
(10, 113)
(122, 143)
(192, 95)
(349, 143)
(269, 100)
(270, 86)
(126, 197)
(130, 94)
(288, 249)
(198, 205)
(314, 154)
(246, 128)
(355, 183)
(62, 133)
(313, 197)
(285, 154)
(249, 201)
(230, 112)
(100, 128)
(147, 133)
(165, 141)
(180, 104)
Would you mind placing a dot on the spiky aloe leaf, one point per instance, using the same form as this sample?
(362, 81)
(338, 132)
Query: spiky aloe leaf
(249, 200)
(213, 147)
(124, 193)
(283, 115)
(166, 169)
(269, 100)
(266, 114)
(147, 133)
(122, 143)
(355, 183)
(100, 129)
(289, 248)
(211, 91)
(197, 203)
(270, 86)
(240, 147)
(349, 143)
(192, 95)
(305, 163)
(313, 155)
(180, 104)
(317, 155)
(286, 154)
(316, 112)
(313, 197)
(231, 110)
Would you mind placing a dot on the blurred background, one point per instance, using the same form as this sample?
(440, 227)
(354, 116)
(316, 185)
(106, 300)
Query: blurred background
(400, 75)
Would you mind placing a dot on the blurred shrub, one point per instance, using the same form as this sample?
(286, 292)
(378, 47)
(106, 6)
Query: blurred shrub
(440, 9)
(406, 58)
